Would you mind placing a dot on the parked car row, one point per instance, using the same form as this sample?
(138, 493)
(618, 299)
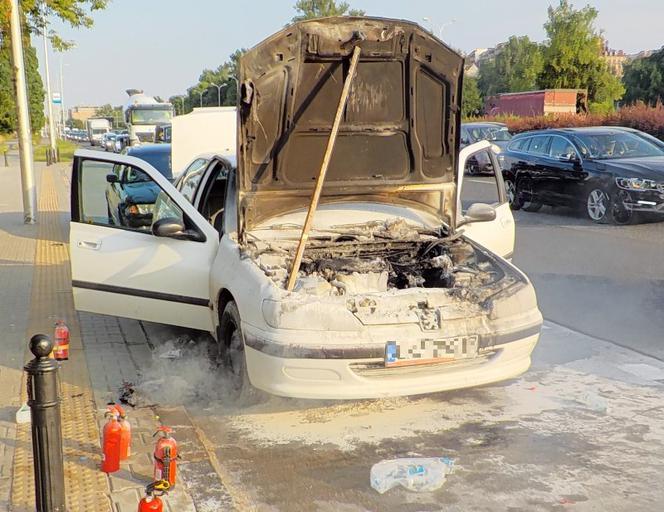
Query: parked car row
(77, 135)
(115, 142)
(610, 173)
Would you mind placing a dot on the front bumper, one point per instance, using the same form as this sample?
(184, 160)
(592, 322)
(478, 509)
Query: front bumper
(358, 371)
(643, 201)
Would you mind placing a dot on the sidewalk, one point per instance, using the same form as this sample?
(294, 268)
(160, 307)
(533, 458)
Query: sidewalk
(104, 351)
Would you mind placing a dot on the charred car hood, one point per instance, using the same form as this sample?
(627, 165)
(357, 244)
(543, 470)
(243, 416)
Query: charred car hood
(398, 138)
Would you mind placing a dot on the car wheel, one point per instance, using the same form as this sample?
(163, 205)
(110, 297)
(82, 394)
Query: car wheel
(510, 191)
(524, 193)
(230, 350)
(598, 205)
(620, 214)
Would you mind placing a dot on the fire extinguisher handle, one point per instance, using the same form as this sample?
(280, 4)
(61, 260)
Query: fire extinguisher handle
(163, 429)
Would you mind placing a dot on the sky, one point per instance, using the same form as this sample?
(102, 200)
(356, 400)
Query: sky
(162, 46)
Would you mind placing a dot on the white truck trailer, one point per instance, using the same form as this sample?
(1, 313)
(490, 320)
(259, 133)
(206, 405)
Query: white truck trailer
(97, 127)
(205, 130)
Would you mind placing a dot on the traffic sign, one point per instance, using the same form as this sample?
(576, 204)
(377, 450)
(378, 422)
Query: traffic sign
(57, 100)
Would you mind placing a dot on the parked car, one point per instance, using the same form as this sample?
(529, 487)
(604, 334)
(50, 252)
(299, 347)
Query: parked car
(398, 293)
(611, 173)
(121, 142)
(157, 155)
(131, 193)
(496, 133)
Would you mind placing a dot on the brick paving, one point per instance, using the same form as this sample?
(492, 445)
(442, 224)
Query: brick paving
(104, 351)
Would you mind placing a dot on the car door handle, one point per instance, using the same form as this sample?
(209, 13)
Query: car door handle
(93, 246)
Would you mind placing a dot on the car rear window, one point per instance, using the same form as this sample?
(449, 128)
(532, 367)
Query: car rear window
(539, 145)
(519, 144)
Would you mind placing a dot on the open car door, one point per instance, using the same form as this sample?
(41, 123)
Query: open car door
(497, 235)
(138, 248)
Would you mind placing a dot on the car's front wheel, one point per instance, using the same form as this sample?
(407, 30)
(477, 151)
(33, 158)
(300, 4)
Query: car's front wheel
(601, 207)
(230, 350)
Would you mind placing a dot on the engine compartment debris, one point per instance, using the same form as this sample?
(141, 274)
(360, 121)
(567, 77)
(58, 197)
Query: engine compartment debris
(376, 257)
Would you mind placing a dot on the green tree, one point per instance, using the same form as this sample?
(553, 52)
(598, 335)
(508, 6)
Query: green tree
(572, 56)
(76, 13)
(7, 93)
(110, 112)
(644, 79)
(308, 9)
(471, 99)
(516, 67)
(224, 76)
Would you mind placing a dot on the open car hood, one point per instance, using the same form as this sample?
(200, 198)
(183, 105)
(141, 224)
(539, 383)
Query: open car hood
(398, 138)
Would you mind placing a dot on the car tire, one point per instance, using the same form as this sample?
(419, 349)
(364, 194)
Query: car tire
(230, 352)
(510, 192)
(524, 196)
(603, 207)
(621, 215)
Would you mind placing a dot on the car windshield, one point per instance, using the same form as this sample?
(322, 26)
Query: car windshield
(147, 116)
(609, 146)
(490, 133)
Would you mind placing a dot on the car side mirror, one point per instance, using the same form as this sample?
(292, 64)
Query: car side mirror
(571, 157)
(168, 227)
(172, 227)
(111, 178)
(479, 212)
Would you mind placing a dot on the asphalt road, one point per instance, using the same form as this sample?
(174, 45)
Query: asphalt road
(605, 281)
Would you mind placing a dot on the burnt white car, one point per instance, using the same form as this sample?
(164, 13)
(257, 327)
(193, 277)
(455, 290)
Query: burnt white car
(399, 291)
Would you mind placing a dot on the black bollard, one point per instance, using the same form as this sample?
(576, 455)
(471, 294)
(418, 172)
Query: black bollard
(44, 402)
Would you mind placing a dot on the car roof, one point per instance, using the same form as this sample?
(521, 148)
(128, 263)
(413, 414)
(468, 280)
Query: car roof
(585, 130)
(485, 123)
(147, 149)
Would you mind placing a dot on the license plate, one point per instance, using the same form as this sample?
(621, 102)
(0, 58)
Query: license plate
(430, 351)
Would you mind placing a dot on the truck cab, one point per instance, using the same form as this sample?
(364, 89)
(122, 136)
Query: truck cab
(143, 114)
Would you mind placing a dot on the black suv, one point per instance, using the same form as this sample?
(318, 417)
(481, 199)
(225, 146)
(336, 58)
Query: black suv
(610, 172)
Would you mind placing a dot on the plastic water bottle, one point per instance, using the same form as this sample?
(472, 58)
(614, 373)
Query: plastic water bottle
(421, 474)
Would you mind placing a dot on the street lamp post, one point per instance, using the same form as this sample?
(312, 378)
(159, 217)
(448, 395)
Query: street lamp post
(441, 28)
(181, 98)
(23, 117)
(62, 96)
(49, 99)
(219, 88)
(200, 93)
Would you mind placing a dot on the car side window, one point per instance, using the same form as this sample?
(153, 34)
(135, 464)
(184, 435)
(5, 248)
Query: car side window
(191, 178)
(481, 189)
(539, 145)
(517, 145)
(561, 148)
(120, 196)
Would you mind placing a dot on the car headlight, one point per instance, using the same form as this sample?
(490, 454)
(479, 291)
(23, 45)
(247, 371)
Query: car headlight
(636, 184)
(139, 209)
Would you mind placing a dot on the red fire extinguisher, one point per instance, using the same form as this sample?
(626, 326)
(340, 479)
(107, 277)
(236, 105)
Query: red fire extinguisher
(110, 459)
(125, 433)
(61, 341)
(151, 501)
(165, 455)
